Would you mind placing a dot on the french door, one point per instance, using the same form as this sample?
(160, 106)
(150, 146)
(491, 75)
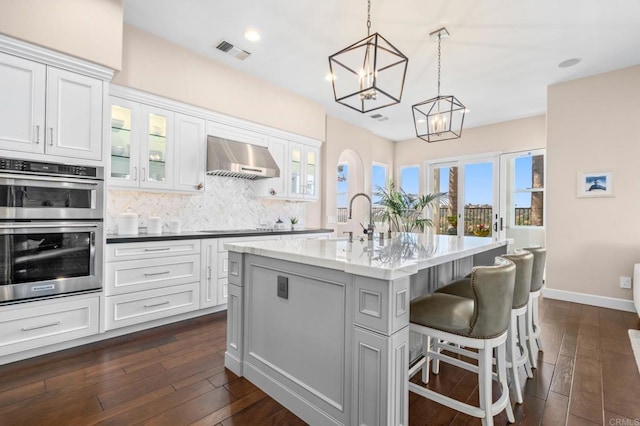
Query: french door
(522, 196)
(472, 187)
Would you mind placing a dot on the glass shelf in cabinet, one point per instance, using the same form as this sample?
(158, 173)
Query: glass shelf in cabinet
(118, 129)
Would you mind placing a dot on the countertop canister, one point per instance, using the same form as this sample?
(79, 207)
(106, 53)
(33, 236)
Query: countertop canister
(128, 223)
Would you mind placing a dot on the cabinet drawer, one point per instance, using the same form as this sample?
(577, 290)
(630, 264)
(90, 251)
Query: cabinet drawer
(36, 324)
(148, 274)
(128, 309)
(146, 250)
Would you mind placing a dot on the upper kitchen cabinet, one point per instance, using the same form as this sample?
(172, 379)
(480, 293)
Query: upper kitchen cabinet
(156, 148)
(48, 111)
(190, 153)
(303, 171)
(299, 165)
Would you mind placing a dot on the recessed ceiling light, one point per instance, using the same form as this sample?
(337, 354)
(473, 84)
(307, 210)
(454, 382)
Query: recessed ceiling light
(330, 77)
(252, 35)
(569, 62)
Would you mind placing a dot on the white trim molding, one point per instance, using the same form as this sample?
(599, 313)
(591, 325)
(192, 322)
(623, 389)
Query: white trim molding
(49, 57)
(589, 299)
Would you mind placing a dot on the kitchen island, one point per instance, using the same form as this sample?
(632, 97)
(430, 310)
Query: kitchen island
(323, 325)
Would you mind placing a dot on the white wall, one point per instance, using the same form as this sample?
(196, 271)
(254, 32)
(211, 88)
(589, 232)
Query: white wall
(160, 67)
(592, 127)
(87, 29)
(509, 136)
(342, 136)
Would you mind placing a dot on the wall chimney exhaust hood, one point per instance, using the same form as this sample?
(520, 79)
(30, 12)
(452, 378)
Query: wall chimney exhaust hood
(237, 159)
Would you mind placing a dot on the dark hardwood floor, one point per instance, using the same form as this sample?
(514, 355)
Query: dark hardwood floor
(175, 375)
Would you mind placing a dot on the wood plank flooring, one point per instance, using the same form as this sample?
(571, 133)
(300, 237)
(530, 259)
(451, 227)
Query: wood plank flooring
(175, 375)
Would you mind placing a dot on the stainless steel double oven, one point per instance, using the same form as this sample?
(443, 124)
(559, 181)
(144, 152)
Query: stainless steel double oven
(51, 229)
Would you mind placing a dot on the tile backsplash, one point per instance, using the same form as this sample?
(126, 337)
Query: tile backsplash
(227, 203)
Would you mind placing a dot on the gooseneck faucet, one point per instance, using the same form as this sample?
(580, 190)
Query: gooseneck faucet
(369, 229)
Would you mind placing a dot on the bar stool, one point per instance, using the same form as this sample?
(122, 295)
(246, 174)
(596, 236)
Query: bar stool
(537, 282)
(479, 323)
(517, 352)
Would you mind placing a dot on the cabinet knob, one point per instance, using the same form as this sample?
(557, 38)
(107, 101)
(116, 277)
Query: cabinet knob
(272, 192)
(200, 186)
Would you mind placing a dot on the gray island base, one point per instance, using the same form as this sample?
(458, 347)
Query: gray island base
(322, 326)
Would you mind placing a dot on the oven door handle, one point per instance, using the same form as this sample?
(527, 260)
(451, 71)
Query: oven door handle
(47, 225)
(49, 181)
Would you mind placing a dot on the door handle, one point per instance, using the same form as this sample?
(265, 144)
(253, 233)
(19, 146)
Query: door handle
(501, 223)
(51, 136)
(36, 136)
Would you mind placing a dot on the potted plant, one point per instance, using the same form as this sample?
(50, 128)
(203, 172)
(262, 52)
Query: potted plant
(481, 230)
(405, 212)
(294, 222)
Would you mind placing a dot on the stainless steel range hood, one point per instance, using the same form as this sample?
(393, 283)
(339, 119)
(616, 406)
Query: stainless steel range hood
(237, 159)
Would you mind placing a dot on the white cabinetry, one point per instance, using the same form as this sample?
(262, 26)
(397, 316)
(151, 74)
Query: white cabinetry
(299, 171)
(32, 325)
(47, 110)
(151, 280)
(215, 282)
(156, 148)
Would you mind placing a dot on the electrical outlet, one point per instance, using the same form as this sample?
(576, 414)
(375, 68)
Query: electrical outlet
(625, 282)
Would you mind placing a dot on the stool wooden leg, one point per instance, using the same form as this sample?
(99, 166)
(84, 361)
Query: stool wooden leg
(435, 363)
(501, 366)
(485, 377)
(513, 355)
(531, 339)
(536, 325)
(522, 345)
(427, 355)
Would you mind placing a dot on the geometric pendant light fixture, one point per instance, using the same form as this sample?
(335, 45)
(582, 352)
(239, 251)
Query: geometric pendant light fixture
(368, 74)
(440, 118)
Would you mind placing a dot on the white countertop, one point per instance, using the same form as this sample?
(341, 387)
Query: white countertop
(402, 255)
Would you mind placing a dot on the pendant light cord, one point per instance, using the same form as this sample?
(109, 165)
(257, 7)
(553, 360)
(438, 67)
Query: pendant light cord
(368, 18)
(439, 56)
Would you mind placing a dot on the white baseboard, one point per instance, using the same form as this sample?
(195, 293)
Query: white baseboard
(590, 299)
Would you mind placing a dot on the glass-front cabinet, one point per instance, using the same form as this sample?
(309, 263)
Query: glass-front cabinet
(157, 148)
(141, 145)
(303, 171)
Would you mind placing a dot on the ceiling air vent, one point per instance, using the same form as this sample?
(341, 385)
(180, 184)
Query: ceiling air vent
(230, 49)
(379, 117)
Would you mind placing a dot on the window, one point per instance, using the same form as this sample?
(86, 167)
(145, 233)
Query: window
(409, 179)
(378, 180)
(342, 192)
(528, 191)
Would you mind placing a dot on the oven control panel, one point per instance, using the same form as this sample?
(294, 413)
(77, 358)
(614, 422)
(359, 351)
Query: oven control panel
(54, 169)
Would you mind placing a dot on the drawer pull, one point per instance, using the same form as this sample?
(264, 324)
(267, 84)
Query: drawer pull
(157, 249)
(166, 302)
(149, 274)
(37, 327)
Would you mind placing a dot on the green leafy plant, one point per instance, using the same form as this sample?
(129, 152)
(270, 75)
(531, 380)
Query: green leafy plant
(294, 220)
(406, 212)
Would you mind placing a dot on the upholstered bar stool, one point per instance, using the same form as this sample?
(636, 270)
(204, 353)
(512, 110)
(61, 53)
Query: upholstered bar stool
(517, 352)
(537, 282)
(479, 323)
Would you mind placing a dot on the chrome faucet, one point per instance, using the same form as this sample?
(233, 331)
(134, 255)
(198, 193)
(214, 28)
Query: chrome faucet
(369, 229)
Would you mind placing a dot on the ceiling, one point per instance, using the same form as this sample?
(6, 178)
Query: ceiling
(498, 61)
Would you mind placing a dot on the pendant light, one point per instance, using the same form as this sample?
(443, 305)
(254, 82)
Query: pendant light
(440, 118)
(368, 74)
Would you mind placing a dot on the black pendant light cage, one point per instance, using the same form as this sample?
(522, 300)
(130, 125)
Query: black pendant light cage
(440, 118)
(369, 74)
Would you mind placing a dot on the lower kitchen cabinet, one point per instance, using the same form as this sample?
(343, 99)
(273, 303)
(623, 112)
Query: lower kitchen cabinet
(35, 324)
(147, 281)
(141, 306)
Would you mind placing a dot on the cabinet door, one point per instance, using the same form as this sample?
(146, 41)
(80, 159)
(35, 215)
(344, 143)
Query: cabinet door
(156, 149)
(125, 143)
(74, 115)
(22, 94)
(209, 274)
(189, 153)
(296, 173)
(311, 166)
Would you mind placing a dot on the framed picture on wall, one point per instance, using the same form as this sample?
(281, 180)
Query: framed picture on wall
(595, 184)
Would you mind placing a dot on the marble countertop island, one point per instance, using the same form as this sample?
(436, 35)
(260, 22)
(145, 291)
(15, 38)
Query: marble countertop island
(390, 258)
